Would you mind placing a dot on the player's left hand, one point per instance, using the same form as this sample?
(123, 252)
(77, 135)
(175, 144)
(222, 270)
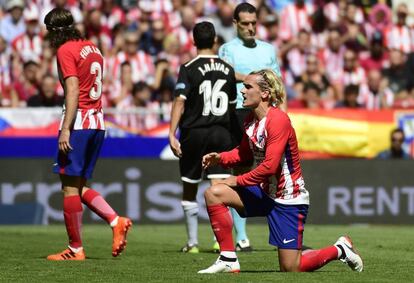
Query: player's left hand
(64, 144)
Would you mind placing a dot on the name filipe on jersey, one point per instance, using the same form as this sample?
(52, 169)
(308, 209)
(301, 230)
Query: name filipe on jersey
(86, 50)
(213, 66)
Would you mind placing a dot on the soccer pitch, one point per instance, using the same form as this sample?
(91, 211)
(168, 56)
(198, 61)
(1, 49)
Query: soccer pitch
(152, 255)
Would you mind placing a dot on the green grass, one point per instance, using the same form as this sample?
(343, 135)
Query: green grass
(152, 255)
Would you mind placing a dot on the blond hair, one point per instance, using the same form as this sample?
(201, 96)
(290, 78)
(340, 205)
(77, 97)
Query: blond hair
(268, 81)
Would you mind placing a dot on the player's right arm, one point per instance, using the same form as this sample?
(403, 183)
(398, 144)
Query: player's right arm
(68, 68)
(176, 113)
(181, 91)
(71, 107)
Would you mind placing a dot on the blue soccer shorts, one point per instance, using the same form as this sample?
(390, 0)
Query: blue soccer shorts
(81, 160)
(286, 222)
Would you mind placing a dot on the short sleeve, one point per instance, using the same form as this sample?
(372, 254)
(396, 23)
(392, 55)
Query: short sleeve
(225, 55)
(182, 88)
(67, 62)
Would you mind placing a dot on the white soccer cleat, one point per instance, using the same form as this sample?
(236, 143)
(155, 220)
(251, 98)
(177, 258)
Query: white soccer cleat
(351, 257)
(222, 266)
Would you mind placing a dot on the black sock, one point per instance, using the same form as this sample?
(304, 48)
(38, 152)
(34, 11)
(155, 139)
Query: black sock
(223, 258)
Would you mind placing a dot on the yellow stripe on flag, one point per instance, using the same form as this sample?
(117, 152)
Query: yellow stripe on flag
(341, 137)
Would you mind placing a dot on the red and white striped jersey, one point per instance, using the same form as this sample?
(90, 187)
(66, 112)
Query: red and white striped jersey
(82, 59)
(115, 17)
(5, 77)
(356, 77)
(28, 48)
(271, 143)
(371, 101)
(399, 37)
(172, 20)
(143, 68)
(162, 6)
(293, 19)
(186, 38)
(331, 11)
(333, 62)
(297, 61)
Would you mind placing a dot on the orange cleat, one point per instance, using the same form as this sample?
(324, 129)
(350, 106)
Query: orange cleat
(67, 254)
(120, 231)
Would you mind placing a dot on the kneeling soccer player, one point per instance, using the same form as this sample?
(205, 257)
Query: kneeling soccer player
(274, 188)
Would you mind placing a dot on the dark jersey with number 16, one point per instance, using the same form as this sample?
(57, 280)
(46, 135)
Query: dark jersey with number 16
(208, 85)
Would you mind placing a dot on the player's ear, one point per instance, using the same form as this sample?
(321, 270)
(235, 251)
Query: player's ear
(265, 94)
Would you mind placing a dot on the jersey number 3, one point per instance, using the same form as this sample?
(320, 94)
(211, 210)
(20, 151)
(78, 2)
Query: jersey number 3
(215, 100)
(96, 91)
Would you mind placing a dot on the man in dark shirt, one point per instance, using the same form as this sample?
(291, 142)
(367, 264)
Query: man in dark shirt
(205, 96)
(47, 97)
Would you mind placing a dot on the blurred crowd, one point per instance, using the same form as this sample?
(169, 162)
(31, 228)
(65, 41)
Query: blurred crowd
(332, 53)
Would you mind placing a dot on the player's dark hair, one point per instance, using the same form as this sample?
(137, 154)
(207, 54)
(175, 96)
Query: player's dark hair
(243, 7)
(61, 27)
(204, 35)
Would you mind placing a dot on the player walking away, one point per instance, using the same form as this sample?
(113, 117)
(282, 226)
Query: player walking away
(205, 95)
(274, 188)
(246, 54)
(80, 65)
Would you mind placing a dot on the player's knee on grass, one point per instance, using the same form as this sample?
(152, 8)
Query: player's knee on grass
(289, 261)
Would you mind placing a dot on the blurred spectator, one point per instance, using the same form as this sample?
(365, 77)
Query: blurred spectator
(313, 74)
(332, 56)
(351, 93)
(295, 17)
(112, 15)
(95, 32)
(72, 6)
(171, 54)
(184, 31)
(271, 24)
(47, 96)
(173, 18)
(223, 20)
(352, 73)
(152, 41)
(396, 150)
(5, 76)
(380, 17)
(165, 99)
(120, 95)
(142, 98)
(377, 58)
(12, 24)
(28, 84)
(141, 63)
(399, 80)
(297, 55)
(375, 94)
(399, 35)
(355, 37)
(28, 45)
(311, 98)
